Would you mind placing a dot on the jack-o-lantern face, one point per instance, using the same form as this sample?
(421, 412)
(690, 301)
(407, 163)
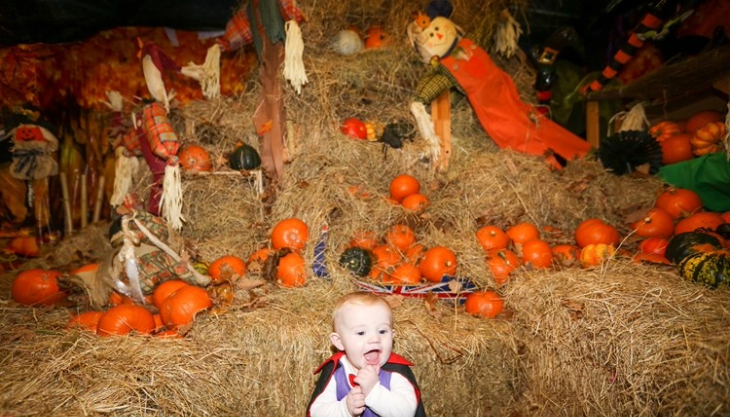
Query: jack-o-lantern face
(376, 38)
(28, 133)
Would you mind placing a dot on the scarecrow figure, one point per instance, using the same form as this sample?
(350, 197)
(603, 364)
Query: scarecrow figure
(33, 161)
(274, 23)
(157, 138)
(459, 61)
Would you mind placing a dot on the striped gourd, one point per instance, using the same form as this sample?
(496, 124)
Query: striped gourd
(710, 268)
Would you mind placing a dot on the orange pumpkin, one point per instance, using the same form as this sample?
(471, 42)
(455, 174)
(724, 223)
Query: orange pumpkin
(37, 287)
(593, 231)
(24, 246)
(501, 263)
(677, 148)
(656, 223)
(117, 299)
(260, 256)
(594, 254)
(437, 262)
(679, 202)
(523, 232)
(654, 245)
(415, 202)
(181, 307)
(226, 267)
(376, 37)
(290, 272)
(492, 237)
(165, 289)
(402, 186)
(28, 133)
(291, 233)
(364, 239)
(664, 130)
(485, 304)
(702, 220)
(400, 236)
(652, 258)
(415, 253)
(125, 318)
(386, 256)
(406, 273)
(537, 253)
(566, 255)
(195, 158)
(706, 138)
(702, 118)
(88, 320)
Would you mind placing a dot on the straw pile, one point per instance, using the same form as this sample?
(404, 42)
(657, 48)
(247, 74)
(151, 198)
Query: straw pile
(623, 339)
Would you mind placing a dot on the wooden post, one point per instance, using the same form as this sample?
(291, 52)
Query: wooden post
(84, 202)
(99, 200)
(593, 123)
(441, 115)
(66, 204)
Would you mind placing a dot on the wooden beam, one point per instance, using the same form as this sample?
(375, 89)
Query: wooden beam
(593, 123)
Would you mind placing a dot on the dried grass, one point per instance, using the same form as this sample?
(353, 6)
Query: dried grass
(624, 339)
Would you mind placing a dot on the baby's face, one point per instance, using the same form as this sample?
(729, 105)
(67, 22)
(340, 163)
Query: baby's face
(365, 334)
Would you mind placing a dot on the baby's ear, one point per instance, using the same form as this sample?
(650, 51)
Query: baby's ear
(337, 341)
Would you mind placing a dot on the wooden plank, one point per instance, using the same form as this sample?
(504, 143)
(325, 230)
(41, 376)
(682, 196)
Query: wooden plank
(593, 123)
(441, 115)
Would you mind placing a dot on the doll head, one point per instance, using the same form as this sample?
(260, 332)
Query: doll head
(436, 39)
(363, 329)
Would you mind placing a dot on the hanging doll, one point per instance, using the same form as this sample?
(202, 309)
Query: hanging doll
(457, 60)
(277, 40)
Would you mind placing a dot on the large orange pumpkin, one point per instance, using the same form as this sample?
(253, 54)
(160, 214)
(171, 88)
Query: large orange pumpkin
(592, 231)
(485, 304)
(679, 202)
(437, 262)
(125, 318)
(37, 287)
(181, 307)
(656, 223)
(291, 233)
(291, 272)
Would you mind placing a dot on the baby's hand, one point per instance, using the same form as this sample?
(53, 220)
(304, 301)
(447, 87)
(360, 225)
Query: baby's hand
(355, 401)
(368, 378)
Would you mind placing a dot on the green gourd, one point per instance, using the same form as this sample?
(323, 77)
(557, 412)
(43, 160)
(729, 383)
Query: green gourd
(359, 261)
(709, 268)
(682, 245)
(244, 157)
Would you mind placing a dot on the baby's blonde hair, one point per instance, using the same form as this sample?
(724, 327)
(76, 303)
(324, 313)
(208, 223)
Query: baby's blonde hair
(358, 298)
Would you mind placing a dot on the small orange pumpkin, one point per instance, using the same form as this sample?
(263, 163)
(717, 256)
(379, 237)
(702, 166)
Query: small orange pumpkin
(365, 239)
(594, 254)
(664, 130)
(400, 236)
(386, 256)
(677, 148)
(402, 186)
(437, 262)
(566, 255)
(406, 273)
(701, 220)
(593, 231)
(125, 318)
(226, 267)
(501, 263)
(37, 287)
(195, 158)
(523, 232)
(376, 37)
(165, 289)
(492, 237)
(415, 253)
(679, 202)
(537, 253)
(485, 304)
(24, 246)
(706, 138)
(290, 272)
(181, 307)
(88, 320)
(415, 202)
(291, 233)
(654, 245)
(656, 223)
(702, 118)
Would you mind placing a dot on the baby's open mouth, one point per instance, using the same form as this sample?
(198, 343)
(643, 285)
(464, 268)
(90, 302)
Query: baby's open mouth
(372, 357)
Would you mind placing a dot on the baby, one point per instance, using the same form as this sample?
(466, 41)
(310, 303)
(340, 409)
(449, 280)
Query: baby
(365, 378)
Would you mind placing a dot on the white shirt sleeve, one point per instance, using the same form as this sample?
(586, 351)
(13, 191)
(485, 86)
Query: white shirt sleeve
(326, 404)
(399, 401)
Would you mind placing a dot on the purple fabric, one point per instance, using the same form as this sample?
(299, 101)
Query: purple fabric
(343, 386)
